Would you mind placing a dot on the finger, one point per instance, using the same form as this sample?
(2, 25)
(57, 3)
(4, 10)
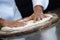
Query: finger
(24, 20)
(29, 18)
(45, 15)
(39, 17)
(35, 18)
(39, 14)
(42, 16)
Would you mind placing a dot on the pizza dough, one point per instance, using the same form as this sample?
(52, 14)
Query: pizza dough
(29, 25)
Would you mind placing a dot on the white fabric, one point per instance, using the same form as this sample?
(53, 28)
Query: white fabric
(43, 3)
(8, 10)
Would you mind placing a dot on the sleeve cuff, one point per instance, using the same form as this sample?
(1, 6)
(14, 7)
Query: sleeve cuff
(43, 3)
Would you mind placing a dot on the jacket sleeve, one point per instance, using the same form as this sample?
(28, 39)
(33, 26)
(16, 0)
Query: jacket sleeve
(43, 3)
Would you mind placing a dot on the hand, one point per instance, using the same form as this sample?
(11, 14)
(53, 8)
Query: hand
(37, 15)
(14, 24)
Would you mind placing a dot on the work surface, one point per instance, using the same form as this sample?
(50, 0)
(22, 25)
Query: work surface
(50, 22)
(58, 26)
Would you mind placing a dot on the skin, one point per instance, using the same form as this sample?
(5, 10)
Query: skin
(14, 24)
(11, 24)
(37, 15)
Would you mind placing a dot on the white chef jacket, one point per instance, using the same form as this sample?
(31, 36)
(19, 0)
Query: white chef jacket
(9, 10)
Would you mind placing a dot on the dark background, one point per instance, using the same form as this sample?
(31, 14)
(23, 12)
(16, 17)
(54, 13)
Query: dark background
(26, 7)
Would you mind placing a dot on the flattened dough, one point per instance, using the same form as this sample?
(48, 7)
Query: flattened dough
(30, 25)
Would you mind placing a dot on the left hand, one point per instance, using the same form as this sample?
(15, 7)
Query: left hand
(37, 15)
(14, 24)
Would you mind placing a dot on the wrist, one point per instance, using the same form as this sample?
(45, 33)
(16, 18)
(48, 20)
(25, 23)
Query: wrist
(38, 8)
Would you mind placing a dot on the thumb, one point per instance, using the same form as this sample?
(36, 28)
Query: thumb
(26, 19)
